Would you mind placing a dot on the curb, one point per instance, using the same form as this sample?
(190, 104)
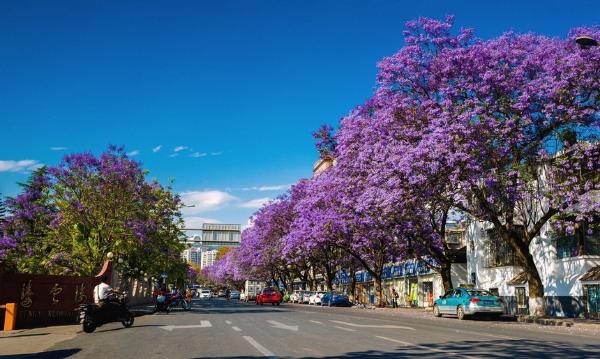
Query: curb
(545, 321)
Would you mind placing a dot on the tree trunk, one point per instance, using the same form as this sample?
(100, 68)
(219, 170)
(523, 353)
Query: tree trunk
(536, 287)
(446, 273)
(379, 292)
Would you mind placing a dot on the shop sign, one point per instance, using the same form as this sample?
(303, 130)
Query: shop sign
(360, 276)
(387, 272)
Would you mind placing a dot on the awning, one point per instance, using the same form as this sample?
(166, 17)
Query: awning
(592, 275)
(519, 279)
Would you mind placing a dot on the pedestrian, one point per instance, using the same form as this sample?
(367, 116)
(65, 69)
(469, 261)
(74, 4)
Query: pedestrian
(394, 298)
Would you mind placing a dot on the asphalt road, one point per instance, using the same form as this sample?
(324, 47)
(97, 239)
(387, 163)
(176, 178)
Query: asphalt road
(220, 329)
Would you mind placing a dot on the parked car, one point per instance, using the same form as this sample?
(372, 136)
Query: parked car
(335, 300)
(221, 293)
(234, 294)
(315, 298)
(205, 294)
(463, 302)
(296, 297)
(306, 297)
(269, 295)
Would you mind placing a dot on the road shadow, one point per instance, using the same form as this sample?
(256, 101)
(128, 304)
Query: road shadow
(481, 349)
(53, 354)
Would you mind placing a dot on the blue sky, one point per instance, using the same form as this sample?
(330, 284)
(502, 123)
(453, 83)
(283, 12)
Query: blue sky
(221, 96)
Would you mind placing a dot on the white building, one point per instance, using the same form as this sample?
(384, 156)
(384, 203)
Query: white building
(192, 255)
(569, 266)
(208, 258)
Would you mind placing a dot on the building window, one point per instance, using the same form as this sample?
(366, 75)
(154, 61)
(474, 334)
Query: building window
(498, 253)
(584, 241)
(454, 237)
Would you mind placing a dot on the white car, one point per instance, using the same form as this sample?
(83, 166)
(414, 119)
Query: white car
(205, 294)
(243, 296)
(316, 298)
(296, 297)
(306, 297)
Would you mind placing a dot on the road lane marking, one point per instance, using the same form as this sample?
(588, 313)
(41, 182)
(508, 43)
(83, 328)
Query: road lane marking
(346, 329)
(385, 326)
(278, 325)
(236, 329)
(315, 321)
(264, 351)
(228, 321)
(424, 347)
(203, 324)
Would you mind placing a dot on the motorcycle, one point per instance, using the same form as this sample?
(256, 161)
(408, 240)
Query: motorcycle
(92, 316)
(162, 303)
(179, 300)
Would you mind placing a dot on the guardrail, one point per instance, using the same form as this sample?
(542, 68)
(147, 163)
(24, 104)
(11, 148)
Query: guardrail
(10, 315)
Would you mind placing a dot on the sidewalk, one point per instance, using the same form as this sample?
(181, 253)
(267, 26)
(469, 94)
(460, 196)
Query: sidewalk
(26, 342)
(572, 324)
(32, 341)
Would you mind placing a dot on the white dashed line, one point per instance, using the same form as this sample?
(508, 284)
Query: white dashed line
(372, 325)
(346, 329)
(236, 329)
(228, 321)
(315, 321)
(264, 351)
(423, 347)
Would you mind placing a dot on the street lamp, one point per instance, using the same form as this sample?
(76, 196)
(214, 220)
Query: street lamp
(120, 261)
(109, 255)
(586, 41)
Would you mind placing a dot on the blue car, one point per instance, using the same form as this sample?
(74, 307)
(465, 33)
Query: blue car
(463, 302)
(335, 300)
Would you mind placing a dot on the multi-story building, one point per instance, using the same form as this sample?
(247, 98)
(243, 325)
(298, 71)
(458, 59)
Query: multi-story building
(215, 236)
(569, 266)
(192, 255)
(208, 258)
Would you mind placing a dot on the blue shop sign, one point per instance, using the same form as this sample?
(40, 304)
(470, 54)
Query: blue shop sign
(387, 272)
(360, 276)
(368, 277)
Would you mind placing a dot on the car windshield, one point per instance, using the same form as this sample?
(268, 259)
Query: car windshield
(268, 291)
(475, 293)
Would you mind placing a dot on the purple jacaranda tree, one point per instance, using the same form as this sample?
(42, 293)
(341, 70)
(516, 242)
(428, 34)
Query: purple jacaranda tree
(325, 141)
(30, 217)
(502, 130)
(95, 205)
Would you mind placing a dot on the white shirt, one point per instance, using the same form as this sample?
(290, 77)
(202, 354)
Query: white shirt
(101, 292)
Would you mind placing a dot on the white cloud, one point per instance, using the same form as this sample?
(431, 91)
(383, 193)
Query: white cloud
(203, 201)
(59, 148)
(19, 166)
(157, 148)
(174, 155)
(277, 187)
(196, 222)
(133, 153)
(216, 153)
(255, 203)
(198, 154)
(180, 148)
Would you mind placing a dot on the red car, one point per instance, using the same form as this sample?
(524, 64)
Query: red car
(268, 295)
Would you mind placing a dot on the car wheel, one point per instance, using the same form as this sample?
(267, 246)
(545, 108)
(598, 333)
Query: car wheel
(277, 304)
(436, 311)
(460, 313)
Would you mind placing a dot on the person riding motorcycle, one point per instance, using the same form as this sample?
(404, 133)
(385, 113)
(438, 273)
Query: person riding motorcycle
(102, 296)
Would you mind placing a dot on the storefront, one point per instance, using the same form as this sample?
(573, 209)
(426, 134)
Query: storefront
(416, 282)
(591, 292)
